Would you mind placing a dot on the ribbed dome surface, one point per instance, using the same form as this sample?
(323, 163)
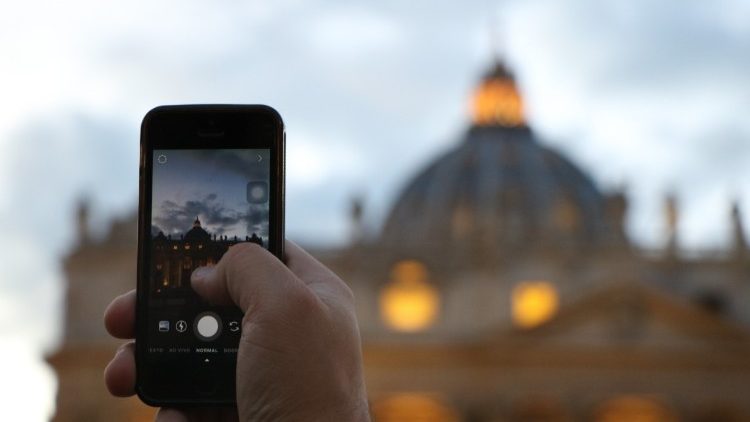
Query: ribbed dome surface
(498, 186)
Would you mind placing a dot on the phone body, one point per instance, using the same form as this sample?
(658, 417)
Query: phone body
(211, 176)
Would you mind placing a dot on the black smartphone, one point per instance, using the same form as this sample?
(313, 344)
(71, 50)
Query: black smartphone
(211, 176)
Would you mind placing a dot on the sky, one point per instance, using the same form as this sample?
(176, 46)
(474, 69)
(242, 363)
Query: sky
(214, 186)
(647, 97)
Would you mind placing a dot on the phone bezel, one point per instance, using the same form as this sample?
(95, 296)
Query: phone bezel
(199, 127)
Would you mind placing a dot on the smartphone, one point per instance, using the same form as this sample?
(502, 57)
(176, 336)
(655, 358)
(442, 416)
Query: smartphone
(211, 176)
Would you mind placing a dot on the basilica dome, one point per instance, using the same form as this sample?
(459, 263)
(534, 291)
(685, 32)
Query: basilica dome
(500, 187)
(197, 233)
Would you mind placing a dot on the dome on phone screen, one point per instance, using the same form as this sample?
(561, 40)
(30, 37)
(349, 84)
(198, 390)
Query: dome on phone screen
(499, 188)
(197, 233)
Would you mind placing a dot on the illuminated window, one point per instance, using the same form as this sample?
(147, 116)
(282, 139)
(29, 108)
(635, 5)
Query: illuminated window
(413, 407)
(187, 247)
(533, 302)
(633, 409)
(409, 303)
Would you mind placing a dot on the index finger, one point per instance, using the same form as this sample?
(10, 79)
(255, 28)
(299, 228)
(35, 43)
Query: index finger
(119, 318)
(313, 273)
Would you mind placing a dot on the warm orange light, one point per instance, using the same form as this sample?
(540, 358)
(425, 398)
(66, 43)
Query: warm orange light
(633, 409)
(409, 303)
(533, 302)
(413, 407)
(497, 102)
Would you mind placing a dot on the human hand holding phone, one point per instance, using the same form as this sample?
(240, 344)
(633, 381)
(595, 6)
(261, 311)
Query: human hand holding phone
(211, 177)
(299, 353)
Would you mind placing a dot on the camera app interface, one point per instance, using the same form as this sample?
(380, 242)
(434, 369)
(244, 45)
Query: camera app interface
(203, 203)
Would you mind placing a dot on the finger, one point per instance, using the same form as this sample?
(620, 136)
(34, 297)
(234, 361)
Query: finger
(302, 264)
(171, 415)
(313, 273)
(119, 376)
(205, 281)
(119, 318)
(248, 276)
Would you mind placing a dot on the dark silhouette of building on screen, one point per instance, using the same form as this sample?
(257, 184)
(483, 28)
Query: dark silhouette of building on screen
(174, 259)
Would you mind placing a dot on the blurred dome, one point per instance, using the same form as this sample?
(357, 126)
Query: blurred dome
(498, 187)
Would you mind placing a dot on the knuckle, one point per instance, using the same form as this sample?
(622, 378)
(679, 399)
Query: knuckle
(239, 257)
(303, 300)
(302, 303)
(346, 293)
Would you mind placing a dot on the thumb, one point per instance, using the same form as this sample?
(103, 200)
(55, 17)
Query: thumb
(247, 276)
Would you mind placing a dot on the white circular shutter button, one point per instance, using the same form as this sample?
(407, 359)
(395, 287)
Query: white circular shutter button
(207, 326)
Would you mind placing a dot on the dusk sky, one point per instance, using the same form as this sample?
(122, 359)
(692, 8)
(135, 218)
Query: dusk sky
(212, 186)
(648, 97)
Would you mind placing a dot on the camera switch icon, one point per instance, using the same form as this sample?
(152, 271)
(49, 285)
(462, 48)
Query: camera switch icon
(181, 326)
(163, 326)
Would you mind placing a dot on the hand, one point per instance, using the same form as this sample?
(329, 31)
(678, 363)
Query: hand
(299, 355)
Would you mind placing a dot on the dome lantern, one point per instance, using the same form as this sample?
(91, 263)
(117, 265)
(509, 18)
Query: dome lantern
(497, 102)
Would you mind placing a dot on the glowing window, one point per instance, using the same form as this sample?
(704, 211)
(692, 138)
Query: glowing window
(533, 302)
(413, 407)
(633, 408)
(409, 303)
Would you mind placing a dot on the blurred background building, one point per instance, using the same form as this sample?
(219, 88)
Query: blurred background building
(502, 287)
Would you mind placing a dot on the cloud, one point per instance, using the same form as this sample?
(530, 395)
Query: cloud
(646, 95)
(176, 219)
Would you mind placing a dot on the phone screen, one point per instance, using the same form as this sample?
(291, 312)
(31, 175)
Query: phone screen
(203, 201)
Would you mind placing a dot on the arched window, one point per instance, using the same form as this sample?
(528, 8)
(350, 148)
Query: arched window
(533, 302)
(409, 302)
